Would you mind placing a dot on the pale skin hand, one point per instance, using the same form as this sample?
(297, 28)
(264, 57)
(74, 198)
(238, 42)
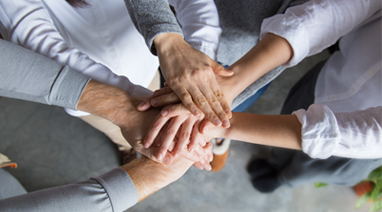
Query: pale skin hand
(269, 53)
(119, 107)
(184, 124)
(190, 74)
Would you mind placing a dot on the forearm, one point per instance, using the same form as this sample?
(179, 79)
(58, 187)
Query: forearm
(271, 52)
(108, 102)
(149, 176)
(151, 18)
(271, 130)
(113, 191)
(33, 77)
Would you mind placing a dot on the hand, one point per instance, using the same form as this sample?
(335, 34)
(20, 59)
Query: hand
(166, 96)
(179, 122)
(190, 74)
(118, 106)
(135, 126)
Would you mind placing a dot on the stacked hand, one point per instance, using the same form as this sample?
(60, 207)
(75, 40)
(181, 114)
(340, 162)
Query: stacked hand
(176, 120)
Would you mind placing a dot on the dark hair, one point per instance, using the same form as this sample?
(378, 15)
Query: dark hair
(77, 3)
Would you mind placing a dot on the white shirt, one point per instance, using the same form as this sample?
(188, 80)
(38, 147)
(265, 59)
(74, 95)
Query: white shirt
(100, 40)
(346, 118)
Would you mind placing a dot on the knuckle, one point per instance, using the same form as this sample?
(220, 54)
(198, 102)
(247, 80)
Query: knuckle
(197, 72)
(201, 100)
(219, 95)
(212, 100)
(222, 115)
(184, 135)
(211, 116)
(170, 132)
(185, 96)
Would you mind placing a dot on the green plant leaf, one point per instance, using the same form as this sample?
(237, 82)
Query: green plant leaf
(318, 185)
(376, 206)
(376, 174)
(362, 200)
(376, 191)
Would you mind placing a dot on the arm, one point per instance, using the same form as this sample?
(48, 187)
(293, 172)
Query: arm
(318, 132)
(45, 81)
(298, 36)
(187, 71)
(116, 190)
(28, 24)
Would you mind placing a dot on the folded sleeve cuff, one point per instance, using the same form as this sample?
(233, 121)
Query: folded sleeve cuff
(120, 189)
(67, 88)
(320, 133)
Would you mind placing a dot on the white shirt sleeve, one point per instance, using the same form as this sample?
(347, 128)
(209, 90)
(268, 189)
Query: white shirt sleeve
(200, 24)
(28, 24)
(317, 24)
(356, 134)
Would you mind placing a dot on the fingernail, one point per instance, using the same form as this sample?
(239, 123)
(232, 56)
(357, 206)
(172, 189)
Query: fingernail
(217, 122)
(167, 159)
(140, 105)
(164, 112)
(209, 168)
(190, 149)
(160, 156)
(226, 123)
(154, 102)
(176, 155)
(227, 112)
(146, 145)
(196, 112)
(205, 129)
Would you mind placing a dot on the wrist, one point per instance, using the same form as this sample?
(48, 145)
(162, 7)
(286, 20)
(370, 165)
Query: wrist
(166, 41)
(149, 176)
(107, 102)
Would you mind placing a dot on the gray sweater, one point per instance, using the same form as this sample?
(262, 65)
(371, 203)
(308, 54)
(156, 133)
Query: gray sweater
(30, 76)
(240, 21)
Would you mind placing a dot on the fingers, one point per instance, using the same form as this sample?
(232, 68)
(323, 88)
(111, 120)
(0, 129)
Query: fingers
(205, 160)
(165, 99)
(184, 135)
(196, 138)
(186, 99)
(154, 130)
(223, 102)
(169, 136)
(161, 97)
(204, 126)
(150, 153)
(145, 105)
(219, 69)
(215, 100)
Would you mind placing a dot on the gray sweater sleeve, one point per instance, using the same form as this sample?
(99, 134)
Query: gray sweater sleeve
(113, 191)
(151, 18)
(33, 77)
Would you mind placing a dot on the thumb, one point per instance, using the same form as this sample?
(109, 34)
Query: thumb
(220, 70)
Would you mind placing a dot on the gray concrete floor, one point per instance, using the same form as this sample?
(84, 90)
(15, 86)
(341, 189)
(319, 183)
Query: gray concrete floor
(48, 146)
